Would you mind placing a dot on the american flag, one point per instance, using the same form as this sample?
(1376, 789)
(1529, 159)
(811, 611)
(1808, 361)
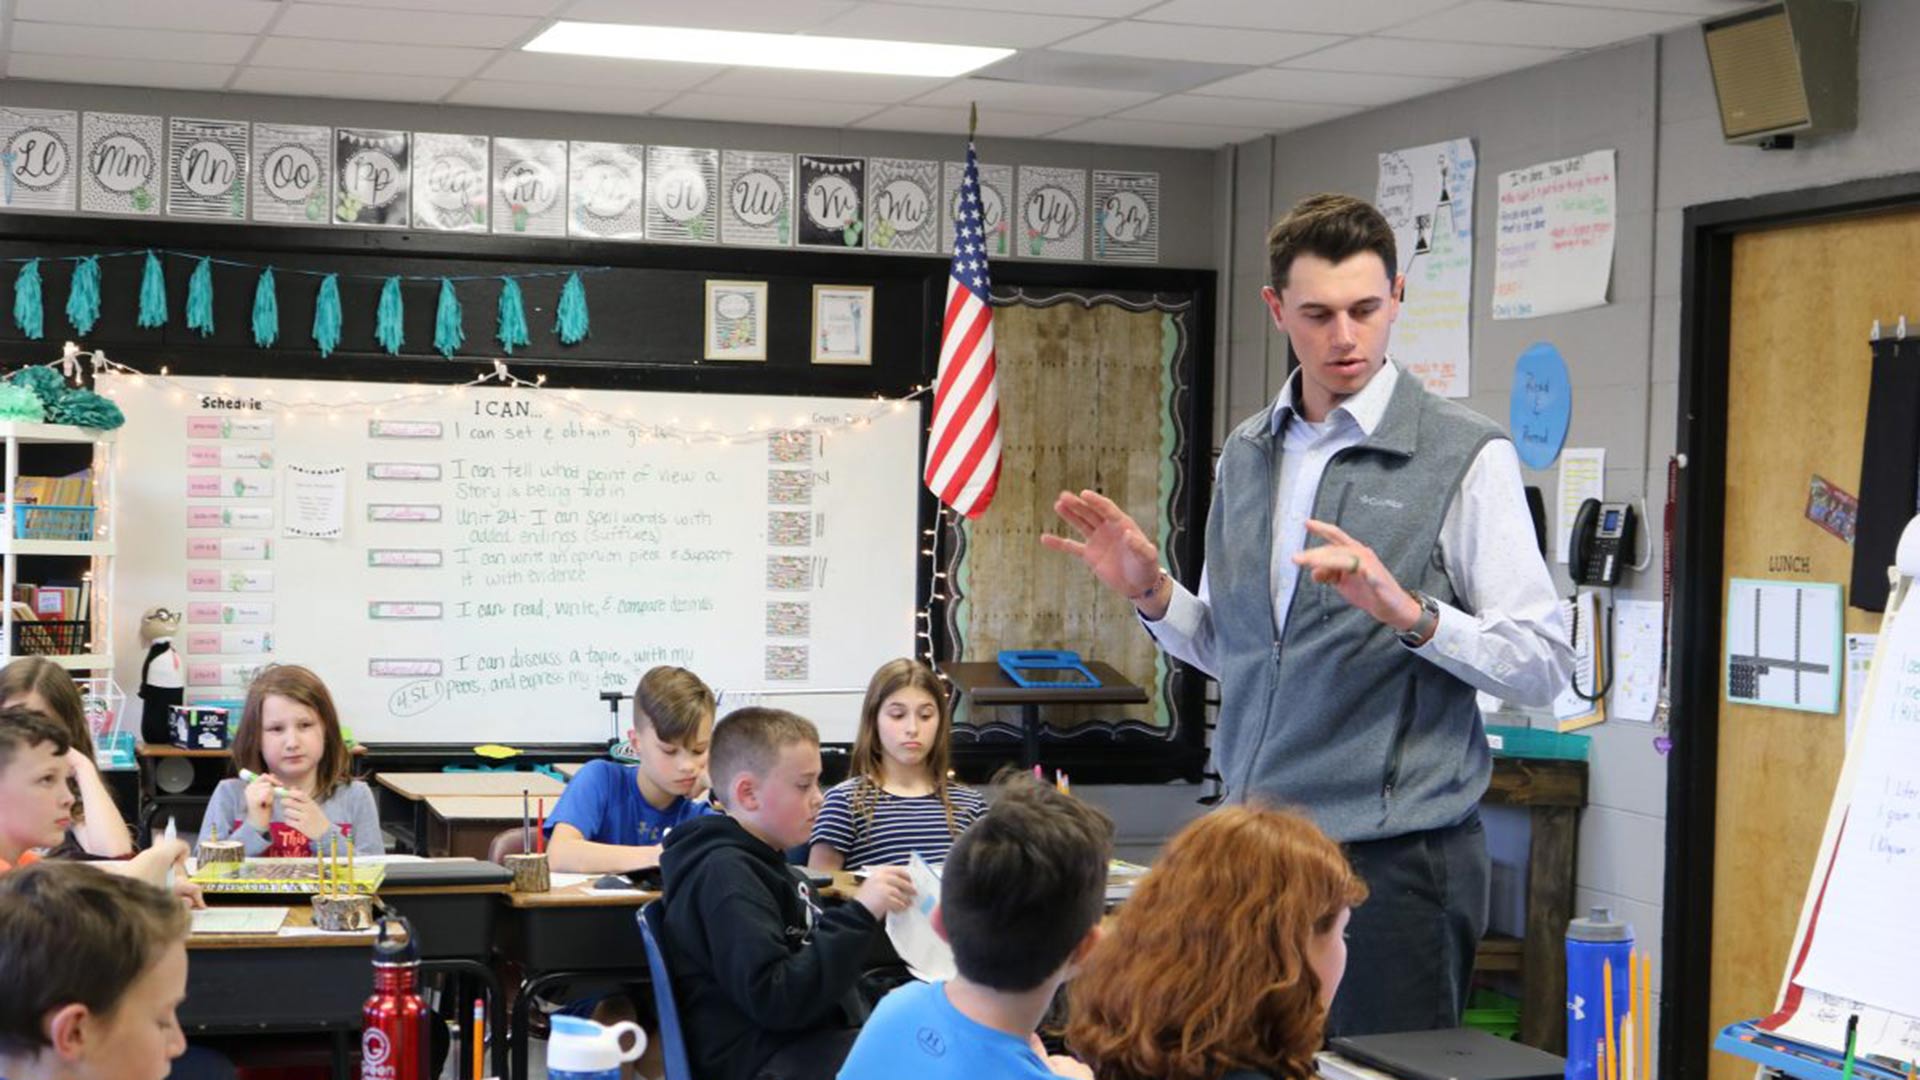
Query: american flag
(963, 451)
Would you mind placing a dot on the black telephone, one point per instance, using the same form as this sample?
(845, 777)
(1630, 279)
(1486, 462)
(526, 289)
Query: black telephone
(1603, 535)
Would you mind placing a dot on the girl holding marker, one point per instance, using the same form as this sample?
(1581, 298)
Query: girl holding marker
(296, 792)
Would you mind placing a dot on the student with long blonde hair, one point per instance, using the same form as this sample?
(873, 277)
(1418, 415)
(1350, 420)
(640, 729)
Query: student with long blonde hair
(1222, 964)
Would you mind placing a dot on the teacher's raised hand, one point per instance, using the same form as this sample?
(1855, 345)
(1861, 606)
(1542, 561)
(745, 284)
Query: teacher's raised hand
(1115, 548)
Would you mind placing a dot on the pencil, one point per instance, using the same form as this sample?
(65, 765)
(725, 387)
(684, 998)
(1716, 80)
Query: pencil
(1631, 1022)
(479, 1037)
(1645, 1025)
(540, 829)
(526, 840)
(350, 876)
(1603, 1061)
(1607, 1017)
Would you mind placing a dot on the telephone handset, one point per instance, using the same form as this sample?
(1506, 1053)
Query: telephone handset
(1603, 533)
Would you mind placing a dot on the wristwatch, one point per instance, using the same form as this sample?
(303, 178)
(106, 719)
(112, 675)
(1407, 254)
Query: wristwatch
(1422, 629)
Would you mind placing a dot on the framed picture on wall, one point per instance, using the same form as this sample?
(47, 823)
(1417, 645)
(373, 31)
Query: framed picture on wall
(843, 324)
(736, 320)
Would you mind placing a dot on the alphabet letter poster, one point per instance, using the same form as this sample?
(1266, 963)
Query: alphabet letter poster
(996, 196)
(902, 201)
(39, 159)
(832, 201)
(292, 173)
(1053, 213)
(606, 188)
(120, 169)
(759, 198)
(683, 187)
(372, 177)
(1126, 213)
(530, 187)
(207, 169)
(452, 188)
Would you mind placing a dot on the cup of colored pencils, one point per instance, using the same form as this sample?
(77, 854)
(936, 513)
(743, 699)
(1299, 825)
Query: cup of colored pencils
(530, 871)
(337, 905)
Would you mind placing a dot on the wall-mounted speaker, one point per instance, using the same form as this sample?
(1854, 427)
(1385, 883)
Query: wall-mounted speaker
(1785, 69)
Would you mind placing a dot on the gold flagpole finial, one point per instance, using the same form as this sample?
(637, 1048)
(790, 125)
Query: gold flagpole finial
(973, 117)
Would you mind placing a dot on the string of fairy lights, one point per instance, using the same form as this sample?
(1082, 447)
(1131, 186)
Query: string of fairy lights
(500, 376)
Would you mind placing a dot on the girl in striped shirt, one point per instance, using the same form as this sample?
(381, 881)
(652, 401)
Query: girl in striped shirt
(897, 798)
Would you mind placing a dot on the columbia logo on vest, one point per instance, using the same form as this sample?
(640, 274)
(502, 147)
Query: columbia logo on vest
(1375, 500)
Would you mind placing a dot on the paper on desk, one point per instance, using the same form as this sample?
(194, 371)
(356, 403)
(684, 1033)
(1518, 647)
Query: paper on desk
(928, 957)
(239, 920)
(558, 880)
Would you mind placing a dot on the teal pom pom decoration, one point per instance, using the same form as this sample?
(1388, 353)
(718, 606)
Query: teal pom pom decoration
(266, 311)
(387, 328)
(20, 403)
(153, 295)
(84, 408)
(47, 385)
(512, 331)
(572, 324)
(200, 298)
(26, 301)
(83, 300)
(447, 331)
(326, 315)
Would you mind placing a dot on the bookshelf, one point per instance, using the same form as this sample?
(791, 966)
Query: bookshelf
(70, 542)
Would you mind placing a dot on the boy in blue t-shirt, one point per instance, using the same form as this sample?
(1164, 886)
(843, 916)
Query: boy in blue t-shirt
(1020, 902)
(612, 817)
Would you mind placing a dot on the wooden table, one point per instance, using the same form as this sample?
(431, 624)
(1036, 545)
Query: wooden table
(985, 684)
(1553, 791)
(465, 825)
(413, 788)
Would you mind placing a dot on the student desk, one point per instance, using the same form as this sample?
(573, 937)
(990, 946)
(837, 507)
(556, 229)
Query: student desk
(985, 684)
(569, 769)
(465, 825)
(1552, 791)
(413, 788)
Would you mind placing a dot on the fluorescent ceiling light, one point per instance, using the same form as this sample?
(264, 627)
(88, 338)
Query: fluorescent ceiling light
(806, 52)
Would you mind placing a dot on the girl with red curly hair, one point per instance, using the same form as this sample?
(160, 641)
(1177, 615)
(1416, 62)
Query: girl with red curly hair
(1224, 961)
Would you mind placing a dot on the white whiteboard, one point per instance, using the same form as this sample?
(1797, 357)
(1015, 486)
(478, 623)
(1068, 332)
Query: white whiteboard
(504, 555)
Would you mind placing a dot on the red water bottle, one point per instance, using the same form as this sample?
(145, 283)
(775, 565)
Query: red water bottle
(391, 1047)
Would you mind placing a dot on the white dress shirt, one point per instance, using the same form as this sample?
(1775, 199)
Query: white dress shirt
(1514, 646)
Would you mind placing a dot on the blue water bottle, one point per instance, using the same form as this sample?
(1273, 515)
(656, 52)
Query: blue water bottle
(1594, 943)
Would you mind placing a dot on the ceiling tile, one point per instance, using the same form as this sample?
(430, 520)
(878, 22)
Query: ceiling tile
(1441, 59)
(530, 8)
(1324, 87)
(1144, 133)
(757, 110)
(229, 16)
(1153, 41)
(1314, 16)
(259, 80)
(1029, 97)
(952, 120)
(557, 97)
(1097, 9)
(1269, 115)
(481, 31)
(164, 74)
(766, 16)
(870, 90)
(125, 44)
(1506, 22)
(1703, 8)
(899, 22)
(369, 57)
(1057, 67)
(601, 71)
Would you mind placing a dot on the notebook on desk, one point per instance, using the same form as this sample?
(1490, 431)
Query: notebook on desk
(1453, 1054)
(446, 872)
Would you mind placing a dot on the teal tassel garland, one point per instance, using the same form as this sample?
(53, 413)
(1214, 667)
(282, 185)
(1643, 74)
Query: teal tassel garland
(447, 331)
(26, 301)
(83, 300)
(200, 298)
(387, 323)
(326, 315)
(153, 295)
(513, 317)
(266, 311)
(572, 324)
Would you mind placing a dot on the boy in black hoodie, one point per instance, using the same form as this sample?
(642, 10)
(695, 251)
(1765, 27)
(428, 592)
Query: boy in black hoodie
(764, 977)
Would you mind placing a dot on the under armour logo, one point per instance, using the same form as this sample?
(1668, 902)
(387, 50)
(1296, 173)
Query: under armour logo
(1578, 1007)
(931, 1043)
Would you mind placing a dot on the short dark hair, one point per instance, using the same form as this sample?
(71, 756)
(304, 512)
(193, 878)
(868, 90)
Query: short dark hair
(71, 934)
(21, 728)
(1024, 884)
(1334, 227)
(674, 702)
(749, 740)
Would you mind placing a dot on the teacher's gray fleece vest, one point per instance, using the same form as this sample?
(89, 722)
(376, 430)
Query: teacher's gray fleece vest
(1335, 716)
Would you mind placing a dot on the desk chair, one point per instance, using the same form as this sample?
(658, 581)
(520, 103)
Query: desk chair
(673, 1045)
(506, 842)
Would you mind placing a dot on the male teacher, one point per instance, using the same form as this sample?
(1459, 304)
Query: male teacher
(1370, 564)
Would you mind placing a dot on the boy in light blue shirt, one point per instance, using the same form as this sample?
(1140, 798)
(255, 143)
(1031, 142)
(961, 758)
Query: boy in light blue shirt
(612, 818)
(1020, 902)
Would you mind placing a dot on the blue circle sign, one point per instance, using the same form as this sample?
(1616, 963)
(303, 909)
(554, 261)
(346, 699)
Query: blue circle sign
(1542, 404)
